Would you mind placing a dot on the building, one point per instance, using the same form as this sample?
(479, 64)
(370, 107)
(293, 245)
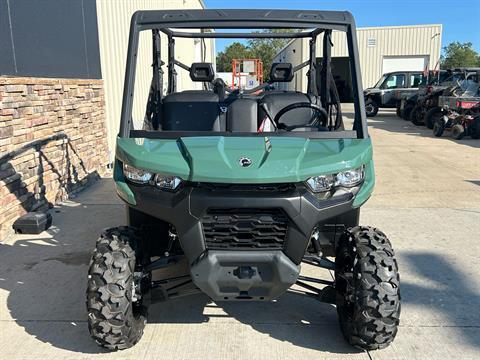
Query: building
(113, 30)
(381, 49)
(62, 67)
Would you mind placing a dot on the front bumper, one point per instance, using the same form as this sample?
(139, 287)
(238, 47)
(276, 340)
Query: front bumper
(236, 273)
(186, 208)
(244, 275)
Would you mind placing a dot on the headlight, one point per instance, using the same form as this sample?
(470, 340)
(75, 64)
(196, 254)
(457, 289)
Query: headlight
(321, 183)
(137, 176)
(161, 181)
(349, 178)
(167, 182)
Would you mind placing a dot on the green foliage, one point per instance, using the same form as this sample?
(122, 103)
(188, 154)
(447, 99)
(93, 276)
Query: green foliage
(234, 51)
(458, 54)
(264, 49)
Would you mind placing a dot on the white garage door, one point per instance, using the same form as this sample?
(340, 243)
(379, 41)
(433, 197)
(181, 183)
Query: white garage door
(404, 63)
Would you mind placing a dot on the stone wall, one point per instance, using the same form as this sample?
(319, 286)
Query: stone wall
(52, 142)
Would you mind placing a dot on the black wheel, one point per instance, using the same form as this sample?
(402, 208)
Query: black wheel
(475, 128)
(416, 116)
(371, 108)
(405, 115)
(458, 132)
(367, 283)
(433, 115)
(438, 127)
(116, 316)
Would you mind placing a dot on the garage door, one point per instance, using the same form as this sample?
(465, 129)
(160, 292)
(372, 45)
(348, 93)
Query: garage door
(404, 63)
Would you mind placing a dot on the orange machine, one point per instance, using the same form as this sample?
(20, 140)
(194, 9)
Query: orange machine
(247, 69)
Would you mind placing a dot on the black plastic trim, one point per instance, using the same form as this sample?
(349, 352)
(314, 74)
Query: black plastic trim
(244, 275)
(149, 134)
(185, 208)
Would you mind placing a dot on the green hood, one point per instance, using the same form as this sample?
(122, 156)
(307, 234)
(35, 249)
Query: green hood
(216, 159)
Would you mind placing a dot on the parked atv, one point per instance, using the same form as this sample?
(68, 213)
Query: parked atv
(459, 112)
(426, 103)
(242, 186)
(407, 100)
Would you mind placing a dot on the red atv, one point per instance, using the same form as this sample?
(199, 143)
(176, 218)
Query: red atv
(459, 112)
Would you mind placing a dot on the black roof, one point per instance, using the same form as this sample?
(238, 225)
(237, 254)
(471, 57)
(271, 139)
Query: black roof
(241, 18)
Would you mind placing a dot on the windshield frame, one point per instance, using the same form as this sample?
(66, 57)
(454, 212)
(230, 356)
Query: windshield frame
(319, 21)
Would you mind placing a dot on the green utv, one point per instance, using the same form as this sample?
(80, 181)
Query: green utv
(242, 186)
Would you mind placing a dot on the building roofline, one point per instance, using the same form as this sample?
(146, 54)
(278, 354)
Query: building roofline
(398, 26)
(373, 28)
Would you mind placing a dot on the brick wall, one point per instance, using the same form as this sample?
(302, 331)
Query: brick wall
(52, 142)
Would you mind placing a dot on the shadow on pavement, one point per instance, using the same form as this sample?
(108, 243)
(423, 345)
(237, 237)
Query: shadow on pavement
(445, 289)
(45, 279)
(389, 121)
(292, 318)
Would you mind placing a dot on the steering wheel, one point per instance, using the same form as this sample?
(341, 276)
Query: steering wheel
(318, 114)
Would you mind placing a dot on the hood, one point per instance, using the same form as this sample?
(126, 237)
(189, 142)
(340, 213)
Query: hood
(219, 159)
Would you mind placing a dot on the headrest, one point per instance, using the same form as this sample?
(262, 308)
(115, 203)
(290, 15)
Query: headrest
(201, 71)
(281, 72)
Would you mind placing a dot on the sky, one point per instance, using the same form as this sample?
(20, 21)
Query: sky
(460, 18)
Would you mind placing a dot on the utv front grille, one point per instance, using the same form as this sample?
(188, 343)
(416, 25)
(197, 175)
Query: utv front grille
(282, 187)
(245, 228)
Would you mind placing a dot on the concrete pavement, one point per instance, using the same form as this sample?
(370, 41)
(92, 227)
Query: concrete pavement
(427, 200)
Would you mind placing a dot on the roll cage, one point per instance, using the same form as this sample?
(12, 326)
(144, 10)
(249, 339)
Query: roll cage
(309, 25)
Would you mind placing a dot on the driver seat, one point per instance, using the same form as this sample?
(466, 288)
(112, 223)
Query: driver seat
(274, 101)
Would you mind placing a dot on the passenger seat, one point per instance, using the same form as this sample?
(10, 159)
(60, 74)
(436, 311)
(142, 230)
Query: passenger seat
(193, 110)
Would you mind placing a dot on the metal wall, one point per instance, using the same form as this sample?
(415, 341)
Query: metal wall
(49, 38)
(422, 40)
(113, 25)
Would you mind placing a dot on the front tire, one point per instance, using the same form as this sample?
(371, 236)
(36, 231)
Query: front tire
(367, 283)
(458, 132)
(115, 320)
(416, 116)
(475, 130)
(405, 115)
(432, 116)
(438, 127)
(371, 108)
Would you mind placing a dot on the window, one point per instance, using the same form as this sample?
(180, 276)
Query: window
(394, 81)
(415, 80)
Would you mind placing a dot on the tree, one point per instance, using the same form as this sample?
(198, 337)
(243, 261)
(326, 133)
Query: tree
(264, 49)
(234, 51)
(458, 54)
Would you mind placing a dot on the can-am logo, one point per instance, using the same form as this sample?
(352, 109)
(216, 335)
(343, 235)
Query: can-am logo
(244, 162)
